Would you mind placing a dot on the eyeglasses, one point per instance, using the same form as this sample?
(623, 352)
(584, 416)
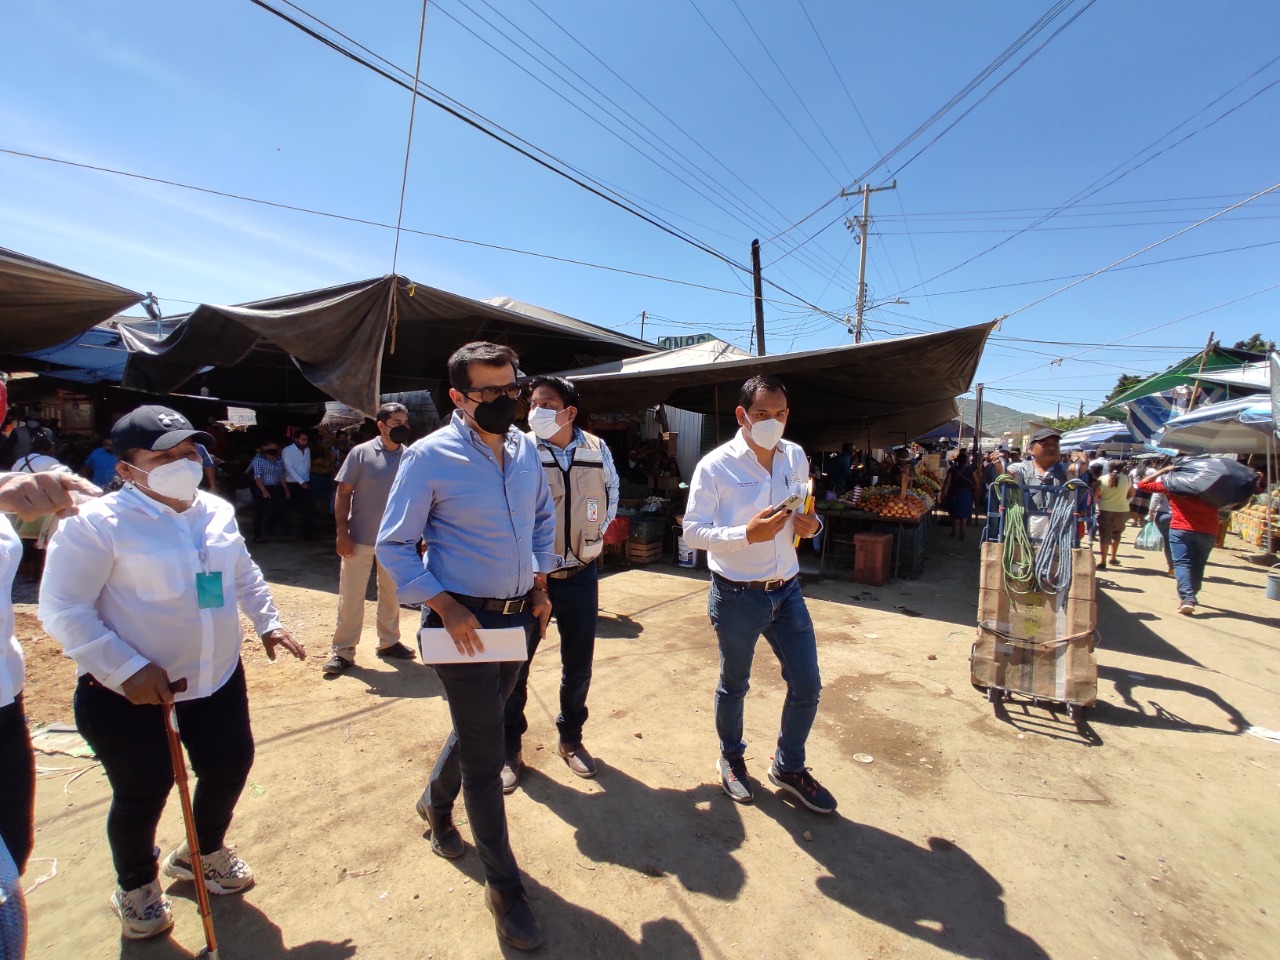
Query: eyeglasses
(512, 391)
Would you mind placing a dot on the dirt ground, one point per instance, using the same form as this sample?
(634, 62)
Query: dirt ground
(967, 835)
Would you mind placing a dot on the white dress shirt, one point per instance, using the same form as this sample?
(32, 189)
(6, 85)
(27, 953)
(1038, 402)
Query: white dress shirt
(729, 488)
(297, 463)
(119, 590)
(10, 649)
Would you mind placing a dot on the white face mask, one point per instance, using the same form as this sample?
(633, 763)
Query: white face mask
(765, 433)
(178, 480)
(542, 421)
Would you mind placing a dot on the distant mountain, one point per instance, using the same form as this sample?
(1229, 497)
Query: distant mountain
(995, 418)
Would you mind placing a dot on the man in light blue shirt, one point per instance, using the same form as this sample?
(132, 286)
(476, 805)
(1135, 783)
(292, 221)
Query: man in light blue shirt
(474, 491)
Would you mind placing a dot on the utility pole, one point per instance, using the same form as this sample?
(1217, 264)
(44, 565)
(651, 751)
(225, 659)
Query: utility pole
(977, 420)
(643, 317)
(759, 296)
(863, 224)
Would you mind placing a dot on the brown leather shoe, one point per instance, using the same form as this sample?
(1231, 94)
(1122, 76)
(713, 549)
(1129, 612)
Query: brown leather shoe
(511, 772)
(581, 763)
(515, 922)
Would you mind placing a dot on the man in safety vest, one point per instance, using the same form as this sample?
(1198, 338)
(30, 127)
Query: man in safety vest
(584, 486)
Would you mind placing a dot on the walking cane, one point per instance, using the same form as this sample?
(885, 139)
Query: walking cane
(188, 819)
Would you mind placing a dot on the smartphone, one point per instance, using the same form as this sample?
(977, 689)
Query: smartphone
(790, 503)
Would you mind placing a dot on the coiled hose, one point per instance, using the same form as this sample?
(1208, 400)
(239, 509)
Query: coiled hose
(1053, 566)
(1017, 557)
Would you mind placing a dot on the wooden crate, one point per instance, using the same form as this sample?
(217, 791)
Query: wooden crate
(644, 552)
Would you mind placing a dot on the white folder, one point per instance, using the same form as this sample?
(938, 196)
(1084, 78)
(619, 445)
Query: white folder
(500, 644)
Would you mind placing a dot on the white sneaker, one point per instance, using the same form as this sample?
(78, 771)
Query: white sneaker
(144, 912)
(224, 872)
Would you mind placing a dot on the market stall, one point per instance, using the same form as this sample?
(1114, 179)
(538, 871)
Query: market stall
(901, 511)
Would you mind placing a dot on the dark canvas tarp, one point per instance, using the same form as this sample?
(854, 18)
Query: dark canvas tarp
(43, 305)
(355, 342)
(879, 393)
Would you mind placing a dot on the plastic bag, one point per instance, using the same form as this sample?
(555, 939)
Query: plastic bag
(1219, 482)
(1150, 538)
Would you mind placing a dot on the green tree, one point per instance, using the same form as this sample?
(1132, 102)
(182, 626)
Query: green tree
(1068, 423)
(1256, 344)
(1126, 382)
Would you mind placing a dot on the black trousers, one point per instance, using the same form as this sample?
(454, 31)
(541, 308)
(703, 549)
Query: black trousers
(269, 513)
(575, 603)
(131, 742)
(300, 504)
(472, 758)
(17, 783)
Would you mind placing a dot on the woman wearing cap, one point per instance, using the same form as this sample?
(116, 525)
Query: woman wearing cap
(141, 588)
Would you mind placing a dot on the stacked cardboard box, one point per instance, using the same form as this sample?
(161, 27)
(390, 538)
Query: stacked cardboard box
(1041, 644)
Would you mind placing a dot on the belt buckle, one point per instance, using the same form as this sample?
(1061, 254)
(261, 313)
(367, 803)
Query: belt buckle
(772, 584)
(507, 605)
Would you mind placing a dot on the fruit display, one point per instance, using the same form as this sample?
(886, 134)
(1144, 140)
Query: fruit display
(1251, 524)
(911, 507)
(927, 483)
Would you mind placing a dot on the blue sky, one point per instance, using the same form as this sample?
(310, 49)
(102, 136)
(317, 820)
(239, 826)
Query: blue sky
(758, 128)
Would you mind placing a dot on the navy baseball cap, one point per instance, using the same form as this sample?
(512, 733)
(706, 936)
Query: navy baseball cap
(155, 428)
(1044, 433)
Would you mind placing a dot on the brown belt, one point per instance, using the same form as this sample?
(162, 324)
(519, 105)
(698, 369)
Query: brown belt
(769, 585)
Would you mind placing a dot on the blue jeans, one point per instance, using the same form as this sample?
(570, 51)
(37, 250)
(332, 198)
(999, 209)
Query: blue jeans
(740, 615)
(471, 760)
(575, 603)
(1190, 556)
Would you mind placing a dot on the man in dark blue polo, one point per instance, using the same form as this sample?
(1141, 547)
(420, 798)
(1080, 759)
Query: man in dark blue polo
(475, 492)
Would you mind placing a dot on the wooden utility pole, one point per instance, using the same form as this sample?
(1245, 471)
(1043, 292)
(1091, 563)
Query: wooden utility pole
(977, 420)
(759, 296)
(863, 225)
(643, 317)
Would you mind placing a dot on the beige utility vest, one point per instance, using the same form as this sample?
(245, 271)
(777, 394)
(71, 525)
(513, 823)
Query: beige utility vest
(581, 498)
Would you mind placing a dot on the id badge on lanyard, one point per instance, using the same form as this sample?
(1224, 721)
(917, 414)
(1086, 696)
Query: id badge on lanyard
(209, 594)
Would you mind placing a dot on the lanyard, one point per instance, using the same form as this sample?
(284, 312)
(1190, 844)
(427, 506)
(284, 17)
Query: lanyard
(197, 529)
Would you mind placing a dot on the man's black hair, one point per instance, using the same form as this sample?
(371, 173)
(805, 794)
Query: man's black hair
(388, 410)
(563, 388)
(478, 351)
(761, 381)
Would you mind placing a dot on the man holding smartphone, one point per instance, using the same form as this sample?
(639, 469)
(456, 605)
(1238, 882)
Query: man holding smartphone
(741, 510)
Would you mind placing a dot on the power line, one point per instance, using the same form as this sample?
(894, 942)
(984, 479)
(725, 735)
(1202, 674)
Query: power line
(1150, 246)
(785, 79)
(489, 129)
(1008, 53)
(1158, 326)
(413, 106)
(1131, 266)
(786, 119)
(374, 223)
(1102, 182)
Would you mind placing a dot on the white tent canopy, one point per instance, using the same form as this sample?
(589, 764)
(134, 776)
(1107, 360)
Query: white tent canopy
(1248, 376)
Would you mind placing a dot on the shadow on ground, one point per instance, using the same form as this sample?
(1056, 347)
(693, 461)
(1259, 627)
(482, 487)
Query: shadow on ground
(686, 834)
(938, 893)
(571, 930)
(242, 930)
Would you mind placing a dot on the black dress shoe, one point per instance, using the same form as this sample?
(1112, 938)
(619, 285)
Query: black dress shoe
(513, 919)
(446, 841)
(397, 651)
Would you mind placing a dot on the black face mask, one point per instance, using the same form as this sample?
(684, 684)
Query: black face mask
(401, 434)
(496, 416)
